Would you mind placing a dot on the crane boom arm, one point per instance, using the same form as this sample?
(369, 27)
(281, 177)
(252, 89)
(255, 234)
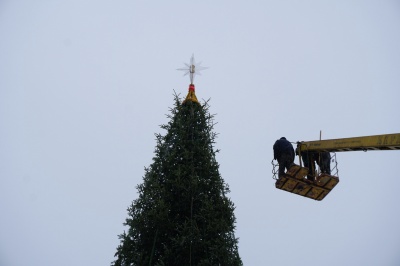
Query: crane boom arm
(377, 142)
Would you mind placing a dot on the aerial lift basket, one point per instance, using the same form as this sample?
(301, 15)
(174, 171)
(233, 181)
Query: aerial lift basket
(294, 181)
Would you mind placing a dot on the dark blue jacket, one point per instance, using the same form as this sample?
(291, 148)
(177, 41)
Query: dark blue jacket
(282, 146)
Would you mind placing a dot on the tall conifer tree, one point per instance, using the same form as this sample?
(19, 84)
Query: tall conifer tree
(182, 215)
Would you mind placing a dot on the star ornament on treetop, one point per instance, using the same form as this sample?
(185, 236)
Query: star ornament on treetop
(192, 69)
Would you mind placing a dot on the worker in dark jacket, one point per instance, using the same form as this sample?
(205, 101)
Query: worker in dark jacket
(284, 154)
(309, 162)
(323, 159)
(324, 162)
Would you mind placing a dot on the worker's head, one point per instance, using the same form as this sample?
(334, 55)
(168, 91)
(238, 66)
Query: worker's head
(283, 138)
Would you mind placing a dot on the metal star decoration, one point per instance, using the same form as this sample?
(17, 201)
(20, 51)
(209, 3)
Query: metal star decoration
(192, 69)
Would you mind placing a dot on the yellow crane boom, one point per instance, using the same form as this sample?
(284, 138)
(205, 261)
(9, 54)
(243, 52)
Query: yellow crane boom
(377, 142)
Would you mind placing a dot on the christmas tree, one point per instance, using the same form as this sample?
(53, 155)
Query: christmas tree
(182, 215)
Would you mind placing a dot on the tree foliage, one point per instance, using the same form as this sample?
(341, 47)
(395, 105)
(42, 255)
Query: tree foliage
(182, 215)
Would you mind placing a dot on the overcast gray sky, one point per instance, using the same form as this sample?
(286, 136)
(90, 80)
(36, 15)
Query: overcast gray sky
(84, 85)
